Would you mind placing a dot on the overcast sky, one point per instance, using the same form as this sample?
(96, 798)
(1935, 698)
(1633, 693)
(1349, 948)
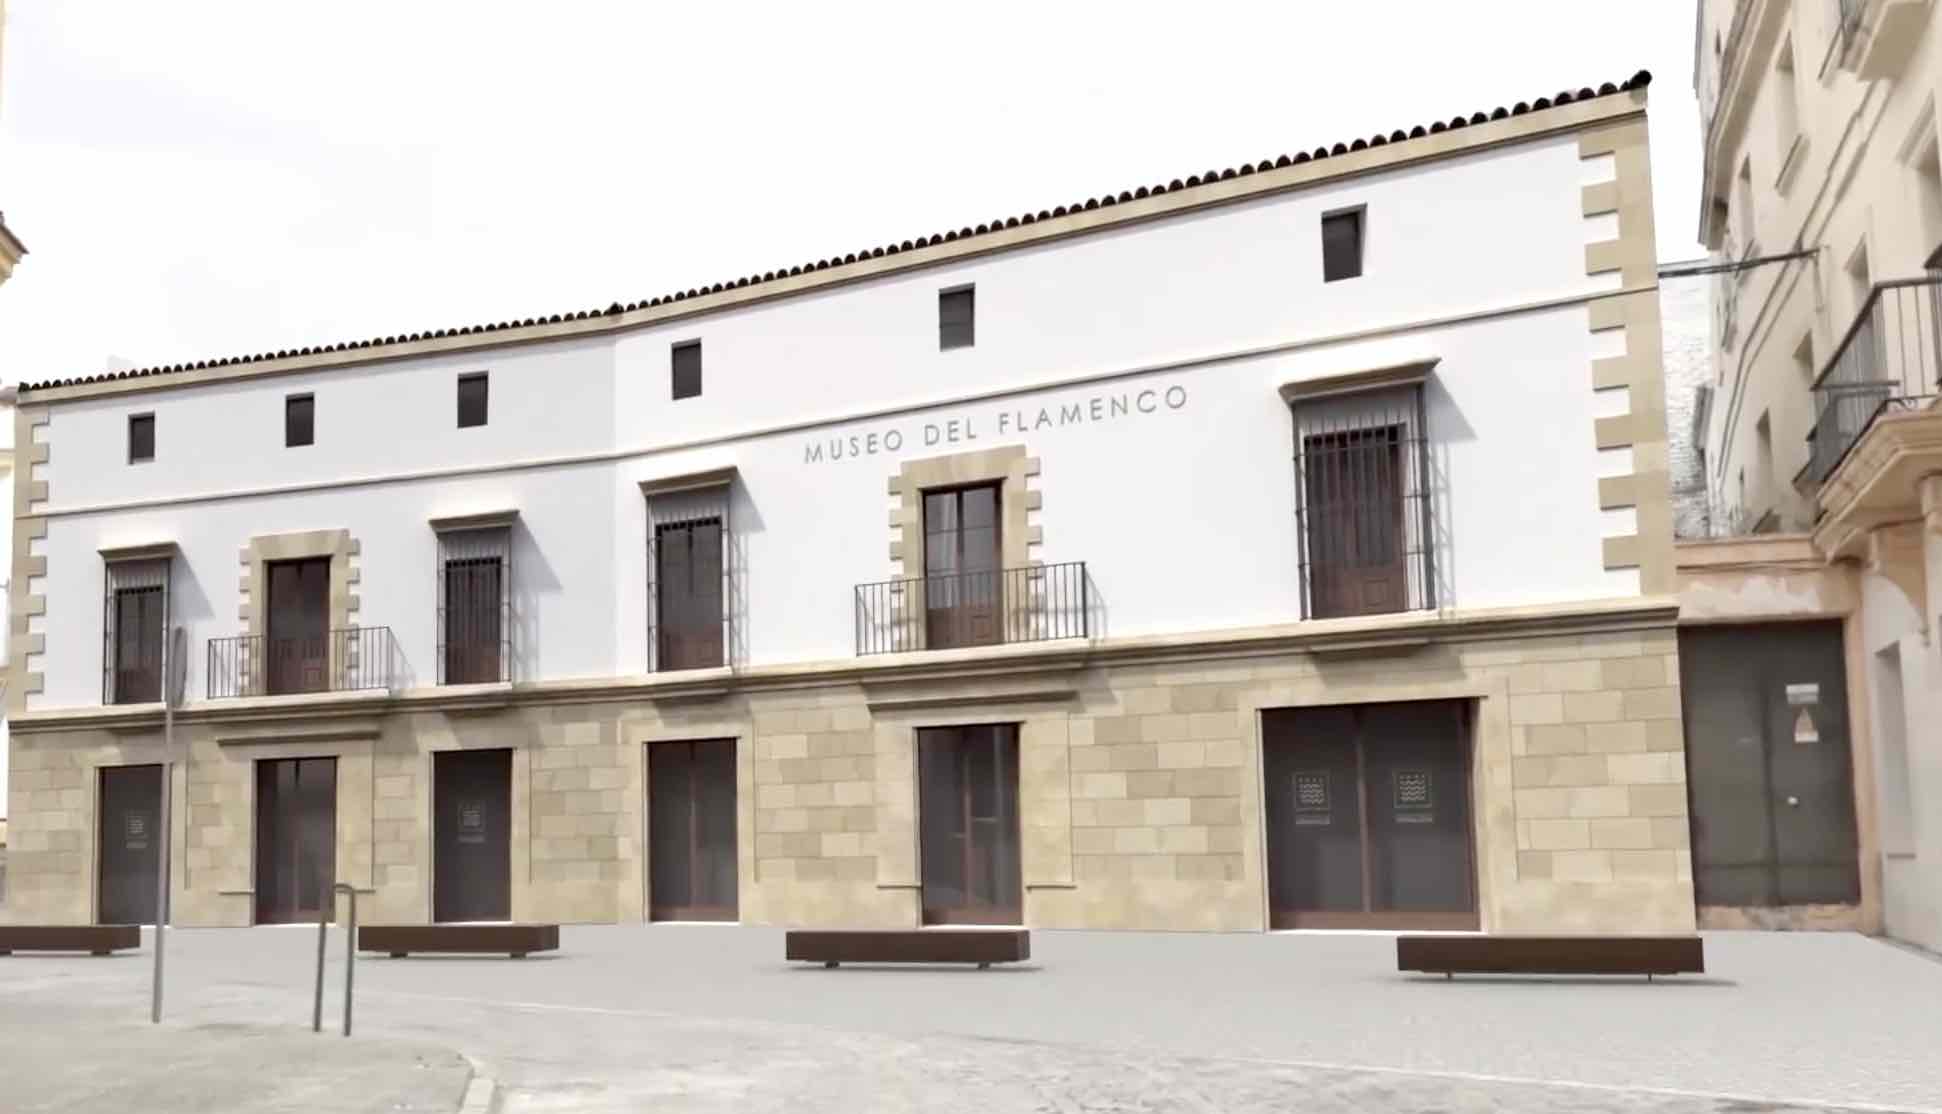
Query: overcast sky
(201, 178)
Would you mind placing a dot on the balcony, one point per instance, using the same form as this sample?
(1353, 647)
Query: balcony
(1041, 603)
(1889, 360)
(345, 660)
(1877, 38)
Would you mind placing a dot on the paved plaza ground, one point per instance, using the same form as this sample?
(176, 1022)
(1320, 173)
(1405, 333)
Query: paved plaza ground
(709, 1018)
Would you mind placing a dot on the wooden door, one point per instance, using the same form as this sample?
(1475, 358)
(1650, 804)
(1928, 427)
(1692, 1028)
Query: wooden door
(1369, 816)
(968, 817)
(963, 573)
(296, 838)
(688, 595)
(472, 835)
(128, 842)
(297, 633)
(474, 634)
(1356, 539)
(691, 831)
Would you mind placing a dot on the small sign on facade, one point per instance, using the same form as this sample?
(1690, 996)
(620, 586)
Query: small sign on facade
(1803, 695)
(1804, 729)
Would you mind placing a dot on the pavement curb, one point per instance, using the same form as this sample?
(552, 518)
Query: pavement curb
(479, 1090)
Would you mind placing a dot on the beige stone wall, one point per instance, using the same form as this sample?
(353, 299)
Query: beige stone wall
(1140, 788)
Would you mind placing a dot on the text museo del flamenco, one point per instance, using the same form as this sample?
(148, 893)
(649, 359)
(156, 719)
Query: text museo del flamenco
(1004, 423)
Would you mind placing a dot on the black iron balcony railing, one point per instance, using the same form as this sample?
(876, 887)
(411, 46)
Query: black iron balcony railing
(1036, 604)
(1889, 359)
(340, 661)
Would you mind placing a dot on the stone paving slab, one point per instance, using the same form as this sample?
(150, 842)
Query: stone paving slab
(691, 1018)
(86, 1059)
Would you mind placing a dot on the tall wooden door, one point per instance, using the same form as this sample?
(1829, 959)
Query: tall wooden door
(963, 573)
(688, 594)
(1769, 772)
(472, 835)
(296, 838)
(296, 643)
(128, 814)
(1356, 546)
(691, 831)
(968, 824)
(1369, 816)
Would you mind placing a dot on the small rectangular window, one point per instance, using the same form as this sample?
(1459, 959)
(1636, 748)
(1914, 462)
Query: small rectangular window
(687, 369)
(141, 438)
(299, 420)
(957, 317)
(1342, 245)
(472, 400)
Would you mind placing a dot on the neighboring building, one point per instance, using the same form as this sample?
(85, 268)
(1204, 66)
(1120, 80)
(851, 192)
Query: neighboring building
(1685, 312)
(1285, 546)
(1823, 437)
(11, 249)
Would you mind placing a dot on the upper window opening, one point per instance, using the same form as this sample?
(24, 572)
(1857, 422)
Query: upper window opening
(141, 438)
(472, 400)
(1342, 245)
(299, 420)
(957, 317)
(687, 369)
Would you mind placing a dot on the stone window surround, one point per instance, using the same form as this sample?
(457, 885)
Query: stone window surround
(338, 545)
(1010, 467)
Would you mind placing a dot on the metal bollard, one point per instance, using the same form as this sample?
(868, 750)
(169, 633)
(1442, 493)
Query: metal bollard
(350, 958)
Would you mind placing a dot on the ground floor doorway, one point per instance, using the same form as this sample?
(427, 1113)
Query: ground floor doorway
(296, 838)
(691, 831)
(1368, 810)
(129, 817)
(1768, 766)
(967, 782)
(472, 835)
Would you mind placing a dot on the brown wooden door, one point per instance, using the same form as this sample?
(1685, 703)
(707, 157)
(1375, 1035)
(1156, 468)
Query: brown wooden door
(138, 644)
(963, 573)
(688, 594)
(297, 634)
(1356, 539)
(691, 831)
(296, 838)
(1369, 816)
(128, 843)
(474, 632)
(472, 835)
(968, 814)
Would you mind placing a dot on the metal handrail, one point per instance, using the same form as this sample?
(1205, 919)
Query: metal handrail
(1891, 351)
(341, 660)
(350, 956)
(1033, 603)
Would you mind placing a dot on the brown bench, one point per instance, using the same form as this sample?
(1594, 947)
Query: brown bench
(95, 939)
(1450, 956)
(984, 947)
(516, 940)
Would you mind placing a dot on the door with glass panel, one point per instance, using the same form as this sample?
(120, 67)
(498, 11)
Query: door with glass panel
(963, 579)
(296, 838)
(1369, 816)
(968, 819)
(691, 831)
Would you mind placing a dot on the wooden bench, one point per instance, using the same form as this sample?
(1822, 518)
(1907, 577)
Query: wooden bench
(95, 939)
(516, 940)
(984, 947)
(1450, 956)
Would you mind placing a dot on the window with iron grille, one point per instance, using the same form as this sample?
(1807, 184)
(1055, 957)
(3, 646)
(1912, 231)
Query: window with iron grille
(688, 570)
(475, 606)
(134, 623)
(686, 371)
(957, 317)
(1362, 499)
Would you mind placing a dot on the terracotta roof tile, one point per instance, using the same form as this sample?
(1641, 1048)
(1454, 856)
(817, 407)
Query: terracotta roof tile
(1637, 81)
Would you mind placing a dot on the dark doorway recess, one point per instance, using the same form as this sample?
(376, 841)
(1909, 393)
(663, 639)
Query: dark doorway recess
(472, 835)
(968, 811)
(296, 838)
(1369, 816)
(297, 635)
(130, 843)
(691, 831)
(963, 574)
(1769, 775)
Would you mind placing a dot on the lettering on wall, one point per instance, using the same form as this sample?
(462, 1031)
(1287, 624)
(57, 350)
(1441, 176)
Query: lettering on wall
(1008, 420)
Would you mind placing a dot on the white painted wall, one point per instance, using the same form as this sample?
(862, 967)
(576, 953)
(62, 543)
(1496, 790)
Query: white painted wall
(1185, 516)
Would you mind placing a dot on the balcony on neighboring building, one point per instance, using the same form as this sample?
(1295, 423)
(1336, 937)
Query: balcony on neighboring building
(343, 660)
(1889, 360)
(1039, 603)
